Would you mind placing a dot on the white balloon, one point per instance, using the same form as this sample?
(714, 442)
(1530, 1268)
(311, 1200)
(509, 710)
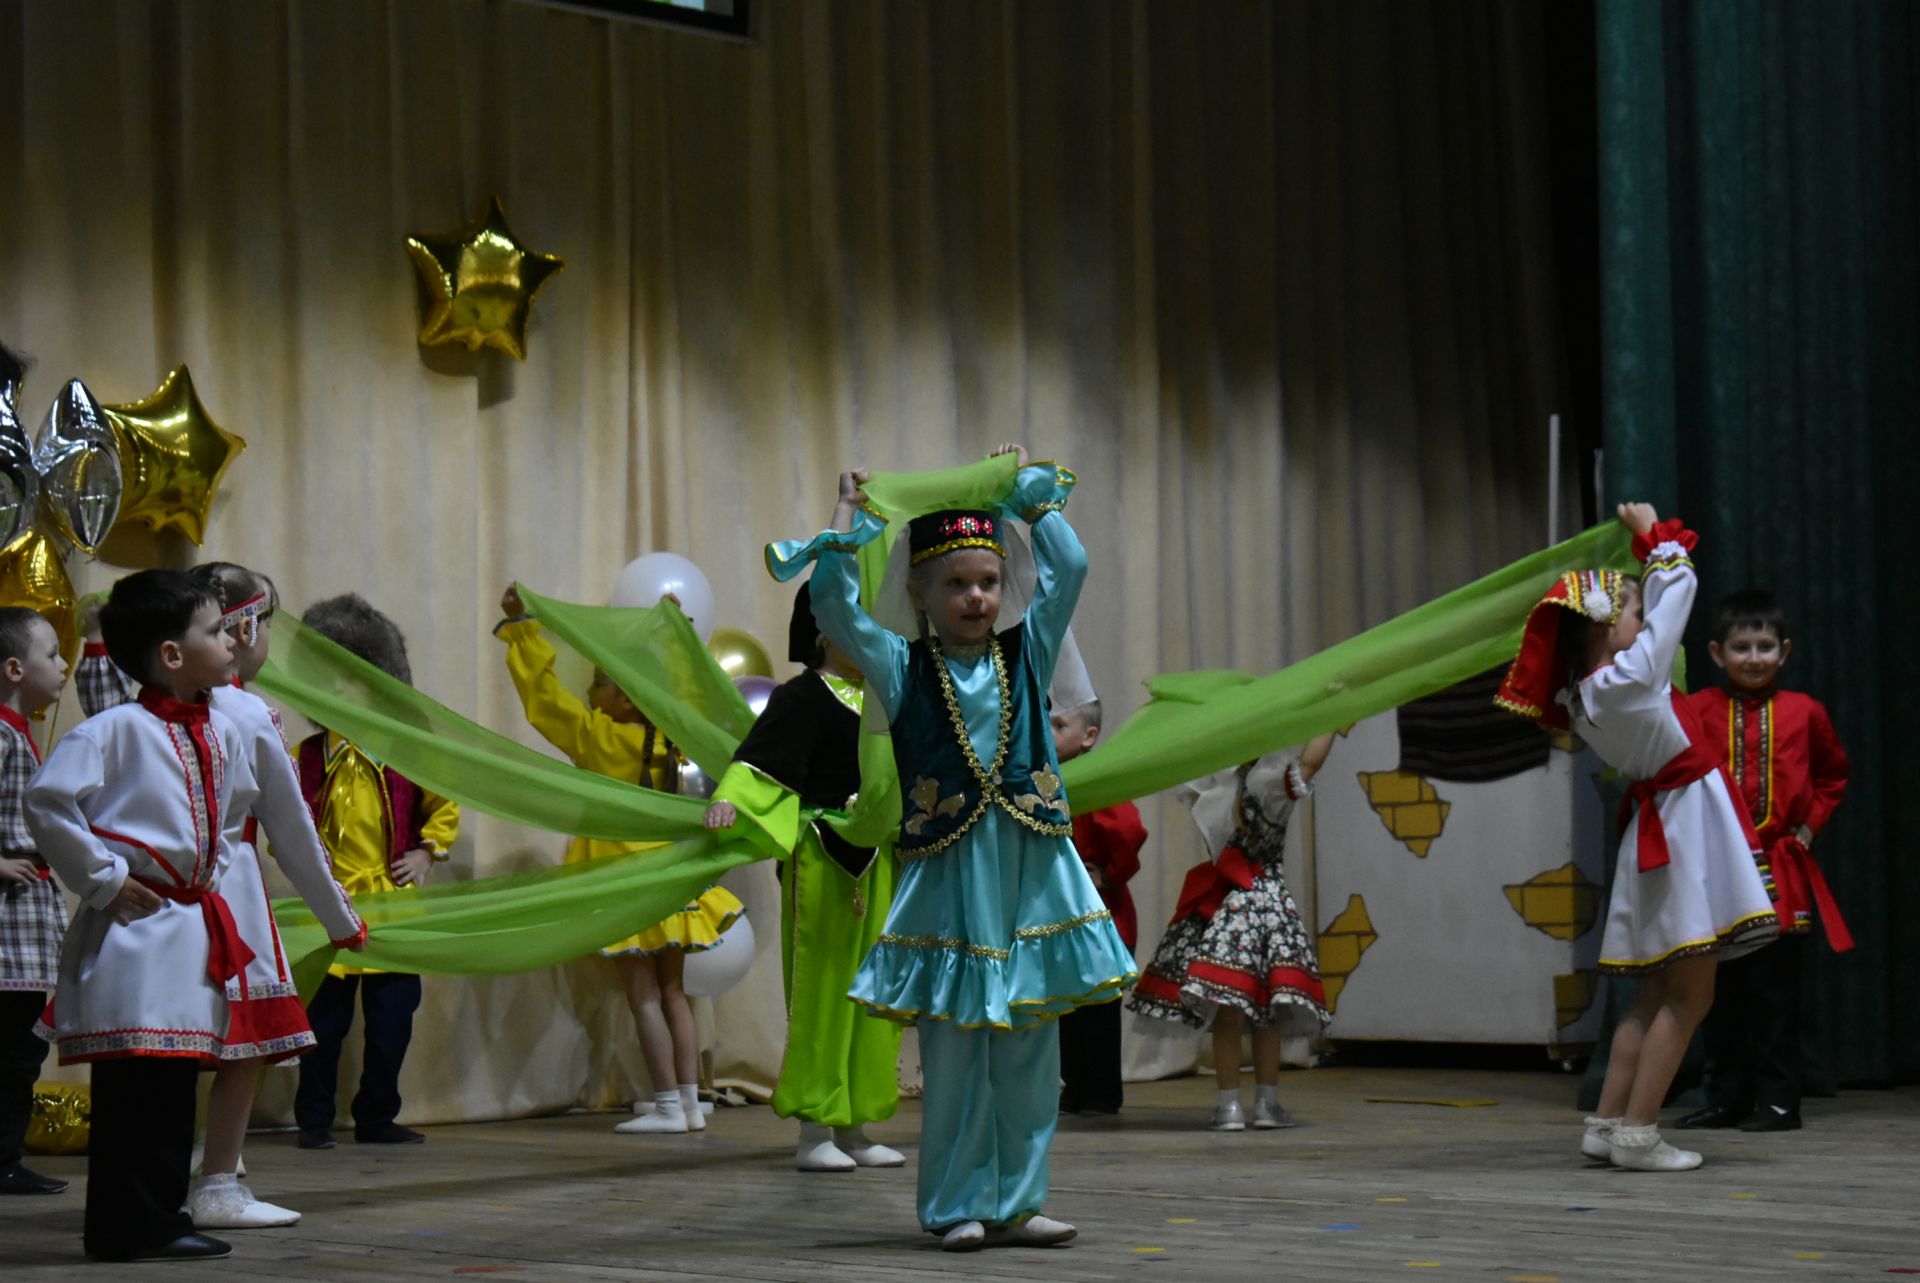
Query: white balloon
(646, 579)
(711, 972)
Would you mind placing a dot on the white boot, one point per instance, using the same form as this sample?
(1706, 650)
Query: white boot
(1035, 1231)
(818, 1153)
(1597, 1140)
(967, 1236)
(221, 1202)
(1640, 1149)
(666, 1116)
(854, 1144)
(1227, 1115)
(690, 1106)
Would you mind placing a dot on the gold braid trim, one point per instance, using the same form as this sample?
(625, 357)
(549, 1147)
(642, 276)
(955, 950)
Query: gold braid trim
(1058, 928)
(954, 545)
(948, 942)
(988, 777)
(958, 945)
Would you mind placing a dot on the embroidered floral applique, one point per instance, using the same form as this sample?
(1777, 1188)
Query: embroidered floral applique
(927, 803)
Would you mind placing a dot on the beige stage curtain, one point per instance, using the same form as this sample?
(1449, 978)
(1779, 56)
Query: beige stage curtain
(1273, 278)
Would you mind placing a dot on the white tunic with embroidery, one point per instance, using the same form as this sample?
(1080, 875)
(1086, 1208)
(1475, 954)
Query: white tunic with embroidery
(300, 855)
(119, 796)
(1710, 896)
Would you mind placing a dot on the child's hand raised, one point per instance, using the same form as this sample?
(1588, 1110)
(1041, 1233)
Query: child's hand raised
(510, 604)
(1638, 517)
(1009, 447)
(850, 482)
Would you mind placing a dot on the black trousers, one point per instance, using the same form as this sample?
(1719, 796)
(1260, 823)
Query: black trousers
(1752, 1034)
(388, 1001)
(139, 1154)
(21, 1055)
(1090, 1058)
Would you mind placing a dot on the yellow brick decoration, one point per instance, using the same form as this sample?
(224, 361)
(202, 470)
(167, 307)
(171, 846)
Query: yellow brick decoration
(1408, 806)
(1341, 944)
(1562, 902)
(1572, 995)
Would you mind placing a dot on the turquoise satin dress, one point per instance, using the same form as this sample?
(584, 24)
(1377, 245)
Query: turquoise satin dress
(992, 938)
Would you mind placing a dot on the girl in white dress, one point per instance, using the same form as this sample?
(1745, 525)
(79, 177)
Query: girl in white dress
(1688, 890)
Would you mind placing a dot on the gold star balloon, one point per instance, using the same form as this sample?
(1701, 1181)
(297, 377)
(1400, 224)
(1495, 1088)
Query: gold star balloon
(172, 457)
(479, 284)
(32, 575)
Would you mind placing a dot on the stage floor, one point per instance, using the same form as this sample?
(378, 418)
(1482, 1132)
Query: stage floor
(1362, 1189)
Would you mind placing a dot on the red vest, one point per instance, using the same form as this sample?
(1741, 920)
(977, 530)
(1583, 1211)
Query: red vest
(402, 795)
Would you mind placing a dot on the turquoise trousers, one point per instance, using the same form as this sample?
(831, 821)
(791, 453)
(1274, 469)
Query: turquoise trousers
(987, 1118)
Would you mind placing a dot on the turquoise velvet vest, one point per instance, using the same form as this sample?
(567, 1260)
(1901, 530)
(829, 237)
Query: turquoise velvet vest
(944, 789)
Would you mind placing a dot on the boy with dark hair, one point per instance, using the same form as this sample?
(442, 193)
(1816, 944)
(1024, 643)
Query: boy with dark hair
(130, 811)
(32, 915)
(383, 832)
(1785, 759)
(1109, 842)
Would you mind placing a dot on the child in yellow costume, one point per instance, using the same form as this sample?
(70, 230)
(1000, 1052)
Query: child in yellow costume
(383, 832)
(608, 735)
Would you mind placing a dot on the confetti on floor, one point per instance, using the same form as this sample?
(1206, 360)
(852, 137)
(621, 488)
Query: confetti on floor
(1583, 1209)
(1171, 1220)
(1339, 1227)
(1423, 1265)
(1377, 1200)
(1743, 1196)
(1463, 1103)
(1147, 1251)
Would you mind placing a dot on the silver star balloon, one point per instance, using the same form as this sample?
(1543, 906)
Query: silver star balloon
(79, 464)
(19, 479)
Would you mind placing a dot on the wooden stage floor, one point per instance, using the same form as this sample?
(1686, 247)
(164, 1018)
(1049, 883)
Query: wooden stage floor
(1361, 1190)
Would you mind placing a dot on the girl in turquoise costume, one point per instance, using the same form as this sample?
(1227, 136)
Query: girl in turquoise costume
(995, 928)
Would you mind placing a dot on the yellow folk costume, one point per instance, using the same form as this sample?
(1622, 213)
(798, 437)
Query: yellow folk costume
(354, 814)
(632, 751)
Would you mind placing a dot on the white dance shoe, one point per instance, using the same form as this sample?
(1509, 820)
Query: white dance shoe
(854, 1144)
(1640, 1149)
(1597, 1140)
(967, 1236)
(818, 1153)
(223, 1203)
(1034, 1231)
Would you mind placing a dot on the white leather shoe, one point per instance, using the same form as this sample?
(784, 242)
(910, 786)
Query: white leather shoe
(818, 1153)
(854, 1144)
(1268, 1115)
(665, 1118)
(1597, 1140)
(1035, 1231)
(1640, 1149)
(968, 1236)
(1228, 1118)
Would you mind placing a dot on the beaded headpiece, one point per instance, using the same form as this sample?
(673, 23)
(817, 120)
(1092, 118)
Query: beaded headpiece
(938, 533)
(245, 617)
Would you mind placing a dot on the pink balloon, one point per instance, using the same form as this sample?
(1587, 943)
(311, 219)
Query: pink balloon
(755, 690)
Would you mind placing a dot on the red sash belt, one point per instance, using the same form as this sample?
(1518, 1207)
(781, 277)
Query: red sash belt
(1208, 884)
(1693, 763)
(1803, 888)
(227, 954)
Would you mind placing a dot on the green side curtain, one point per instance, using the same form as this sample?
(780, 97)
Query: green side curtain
(1761, 318)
